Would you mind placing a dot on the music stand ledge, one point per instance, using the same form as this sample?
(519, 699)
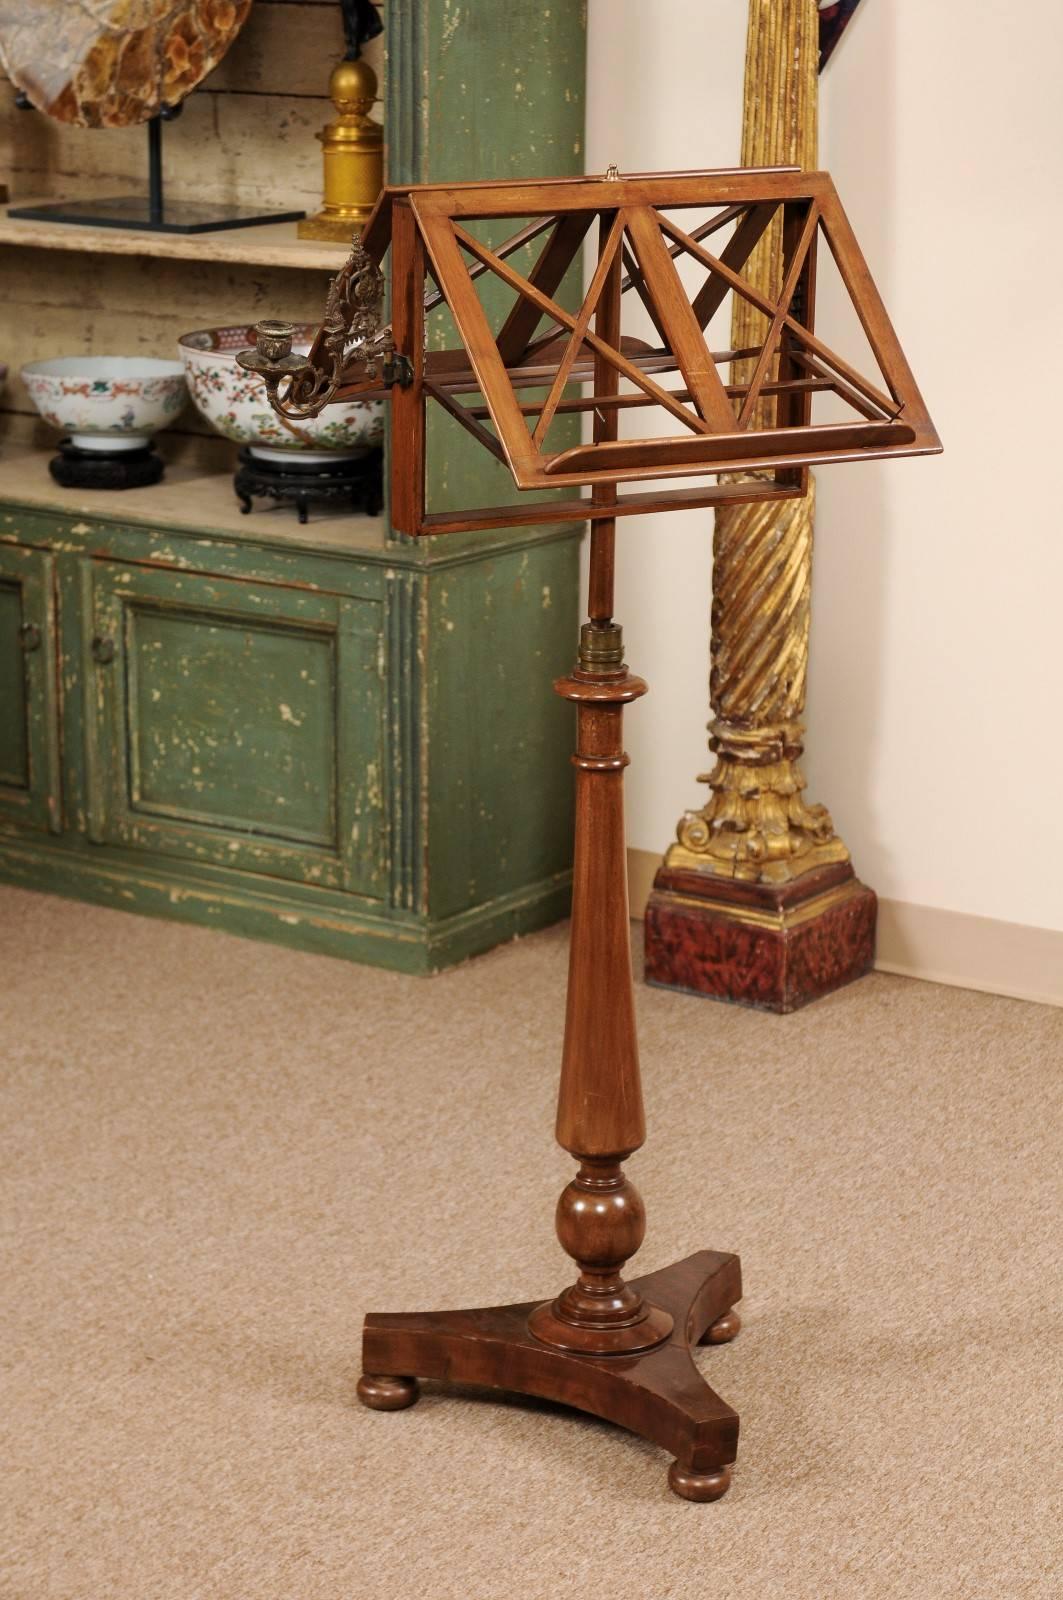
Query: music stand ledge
(621, 1350)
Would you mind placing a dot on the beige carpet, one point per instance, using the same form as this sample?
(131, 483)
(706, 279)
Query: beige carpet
(218, 1154)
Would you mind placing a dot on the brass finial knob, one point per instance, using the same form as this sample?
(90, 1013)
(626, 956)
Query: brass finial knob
(353, 88)
(612, 173)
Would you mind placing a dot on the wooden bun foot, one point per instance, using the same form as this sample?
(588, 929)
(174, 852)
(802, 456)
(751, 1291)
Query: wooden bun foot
(387, 1394)
(698, 1485)
(723, 1330)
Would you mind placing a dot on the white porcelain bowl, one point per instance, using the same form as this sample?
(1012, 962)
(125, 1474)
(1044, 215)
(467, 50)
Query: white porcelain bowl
(234, 402)
(107, 402)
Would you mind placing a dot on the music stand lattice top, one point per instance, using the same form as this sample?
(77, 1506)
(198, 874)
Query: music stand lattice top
(620, 1350)
(761, 425)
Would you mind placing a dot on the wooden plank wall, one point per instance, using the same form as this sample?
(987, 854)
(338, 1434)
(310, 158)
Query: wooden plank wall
(246, 135)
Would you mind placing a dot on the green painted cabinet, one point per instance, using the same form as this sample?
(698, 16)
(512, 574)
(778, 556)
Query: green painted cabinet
(333, 737)
(349, 750)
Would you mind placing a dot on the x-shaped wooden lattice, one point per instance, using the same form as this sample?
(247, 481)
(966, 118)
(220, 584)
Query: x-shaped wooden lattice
(761, 424)
(720, 424)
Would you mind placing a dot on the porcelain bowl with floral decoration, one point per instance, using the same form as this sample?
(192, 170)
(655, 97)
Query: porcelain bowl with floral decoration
(234, 402)
(107, 402)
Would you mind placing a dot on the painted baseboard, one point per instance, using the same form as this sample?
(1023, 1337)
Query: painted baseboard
(327, 922)
(940, 946)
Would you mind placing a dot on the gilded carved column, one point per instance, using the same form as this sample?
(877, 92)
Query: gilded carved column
(740, 890)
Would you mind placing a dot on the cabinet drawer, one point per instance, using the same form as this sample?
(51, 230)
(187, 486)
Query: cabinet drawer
(238, 723)
(29, 706)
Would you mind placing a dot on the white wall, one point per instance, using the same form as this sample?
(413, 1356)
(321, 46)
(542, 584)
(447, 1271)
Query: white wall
(937, 638)
(649, 63)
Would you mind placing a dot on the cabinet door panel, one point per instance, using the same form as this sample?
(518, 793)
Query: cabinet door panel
(275, 771)
(240, 723)
(29, 714)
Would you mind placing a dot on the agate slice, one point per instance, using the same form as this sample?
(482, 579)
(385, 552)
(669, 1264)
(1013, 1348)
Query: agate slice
(110, 63)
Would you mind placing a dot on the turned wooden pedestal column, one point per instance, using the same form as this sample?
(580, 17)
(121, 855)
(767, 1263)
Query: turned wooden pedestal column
(621, 1350)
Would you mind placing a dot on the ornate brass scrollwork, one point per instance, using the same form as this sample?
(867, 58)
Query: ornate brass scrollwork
(352, 345)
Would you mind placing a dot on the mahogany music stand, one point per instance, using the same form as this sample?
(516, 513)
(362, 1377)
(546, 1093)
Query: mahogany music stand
(620, 1350)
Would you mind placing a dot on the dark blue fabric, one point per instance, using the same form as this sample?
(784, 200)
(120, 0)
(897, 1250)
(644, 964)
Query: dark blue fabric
(361, 22)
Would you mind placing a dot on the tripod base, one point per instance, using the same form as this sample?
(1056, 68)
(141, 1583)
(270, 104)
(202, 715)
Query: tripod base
(657, 1393)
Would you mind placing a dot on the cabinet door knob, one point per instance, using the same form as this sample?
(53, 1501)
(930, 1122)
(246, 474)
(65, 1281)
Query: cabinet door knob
(102, 650)
(30, 636)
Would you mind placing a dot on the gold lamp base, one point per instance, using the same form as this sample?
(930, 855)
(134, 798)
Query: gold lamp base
(334, 228)
(353, 151)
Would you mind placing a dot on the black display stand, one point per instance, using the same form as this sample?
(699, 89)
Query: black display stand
(152, 213)
(75, 468)
(356, 482)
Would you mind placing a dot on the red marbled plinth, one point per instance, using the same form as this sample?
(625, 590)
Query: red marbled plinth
(775, 948)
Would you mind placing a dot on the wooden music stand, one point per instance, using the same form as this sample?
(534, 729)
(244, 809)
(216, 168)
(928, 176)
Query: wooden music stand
(621, 1350)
